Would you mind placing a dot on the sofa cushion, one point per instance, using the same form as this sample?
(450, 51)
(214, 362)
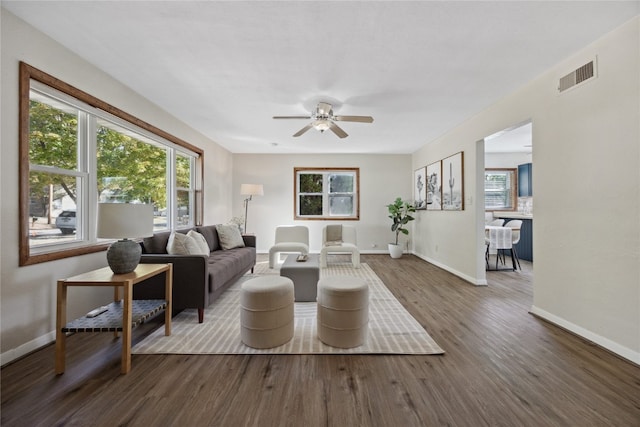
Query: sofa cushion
(211, 236)
(229, 236)
(183, 244)
(200, 241)
(156, 244)
(225, 265)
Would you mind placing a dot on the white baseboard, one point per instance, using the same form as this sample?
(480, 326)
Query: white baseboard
(461, 275)
(375, 251)
(26, 348)
(614, 347)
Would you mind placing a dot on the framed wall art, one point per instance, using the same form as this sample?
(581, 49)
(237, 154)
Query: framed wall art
(434, 186)
(453, 182)
(420, 188)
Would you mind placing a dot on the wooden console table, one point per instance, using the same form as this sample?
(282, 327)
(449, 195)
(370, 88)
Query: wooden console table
(121, 316)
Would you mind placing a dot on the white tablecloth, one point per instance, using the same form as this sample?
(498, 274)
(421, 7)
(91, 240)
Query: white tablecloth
(499, 237)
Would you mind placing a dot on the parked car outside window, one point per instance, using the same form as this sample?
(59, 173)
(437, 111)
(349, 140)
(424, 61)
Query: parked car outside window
(66, 221)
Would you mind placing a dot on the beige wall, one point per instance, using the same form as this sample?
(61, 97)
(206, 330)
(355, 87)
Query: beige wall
(586, 156)
(28, 293)
(382, 179)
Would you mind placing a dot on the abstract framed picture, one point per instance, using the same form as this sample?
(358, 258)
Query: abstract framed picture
(453, 182)
(434, 186)
(420, 188)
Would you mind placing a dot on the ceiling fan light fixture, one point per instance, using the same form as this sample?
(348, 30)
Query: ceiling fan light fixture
(323, 119)
(321, 125)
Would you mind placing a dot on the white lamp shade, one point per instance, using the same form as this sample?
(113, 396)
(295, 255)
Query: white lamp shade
(251, 190)
(124, 220)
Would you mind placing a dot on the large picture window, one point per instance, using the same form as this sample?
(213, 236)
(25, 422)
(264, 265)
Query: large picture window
(76, 152)
(327, 193)
(500, 187)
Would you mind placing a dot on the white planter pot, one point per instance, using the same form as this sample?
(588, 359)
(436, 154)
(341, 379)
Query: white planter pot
(395, 250)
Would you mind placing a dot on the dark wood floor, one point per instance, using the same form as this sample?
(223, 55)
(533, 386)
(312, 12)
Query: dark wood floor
(502, 367)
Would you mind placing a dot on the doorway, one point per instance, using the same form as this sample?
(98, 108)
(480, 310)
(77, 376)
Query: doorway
(508, 189)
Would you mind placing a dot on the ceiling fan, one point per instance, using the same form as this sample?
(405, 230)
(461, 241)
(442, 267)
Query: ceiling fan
(323, 119)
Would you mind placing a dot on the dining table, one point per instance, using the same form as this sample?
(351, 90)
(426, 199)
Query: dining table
(499, 239)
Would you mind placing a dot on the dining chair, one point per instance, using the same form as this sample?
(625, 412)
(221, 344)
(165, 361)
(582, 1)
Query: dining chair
(515, 225)
(500, 240)
(493, 223)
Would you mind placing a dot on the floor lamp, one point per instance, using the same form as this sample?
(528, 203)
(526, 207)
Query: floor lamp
(250, 190)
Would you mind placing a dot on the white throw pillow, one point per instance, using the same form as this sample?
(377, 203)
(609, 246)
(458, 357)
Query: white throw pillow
(229, 236)
(200, 240)
(181, 244)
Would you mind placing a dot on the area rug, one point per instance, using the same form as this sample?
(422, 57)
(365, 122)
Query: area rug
(392, 330)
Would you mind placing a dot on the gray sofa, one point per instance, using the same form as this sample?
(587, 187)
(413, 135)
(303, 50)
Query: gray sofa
(197, 279)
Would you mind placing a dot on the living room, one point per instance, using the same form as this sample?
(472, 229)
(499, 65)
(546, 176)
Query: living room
(587, 265)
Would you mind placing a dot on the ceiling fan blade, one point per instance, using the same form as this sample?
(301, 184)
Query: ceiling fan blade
(337, 130)
(303, 130)
(292, 117)
(361, 119)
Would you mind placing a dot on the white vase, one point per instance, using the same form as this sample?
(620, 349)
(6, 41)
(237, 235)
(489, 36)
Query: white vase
(395, 250)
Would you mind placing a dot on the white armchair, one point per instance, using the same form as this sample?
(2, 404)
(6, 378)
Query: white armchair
(289, 238)
(347, 245)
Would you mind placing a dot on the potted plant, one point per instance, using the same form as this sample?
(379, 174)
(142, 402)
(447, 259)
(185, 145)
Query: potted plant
(400, 212)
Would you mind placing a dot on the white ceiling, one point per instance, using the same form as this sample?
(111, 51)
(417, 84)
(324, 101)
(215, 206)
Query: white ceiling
(419, 68)
(518, 139)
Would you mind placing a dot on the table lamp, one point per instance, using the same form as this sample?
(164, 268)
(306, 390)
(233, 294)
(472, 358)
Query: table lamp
(250, 190)
(123, 221)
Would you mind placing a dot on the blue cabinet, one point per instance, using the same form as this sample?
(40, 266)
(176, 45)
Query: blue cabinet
(525, 188)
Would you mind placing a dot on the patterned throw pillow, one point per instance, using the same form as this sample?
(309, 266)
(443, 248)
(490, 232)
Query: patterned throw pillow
(200, 240)
(229, 236)
(181, 244)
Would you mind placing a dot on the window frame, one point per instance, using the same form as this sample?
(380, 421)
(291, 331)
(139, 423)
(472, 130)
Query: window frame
(88, 244)
(513, 190)
(325, 171)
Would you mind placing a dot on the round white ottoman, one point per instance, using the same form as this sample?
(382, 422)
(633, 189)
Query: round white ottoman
(343, 311)
(266, 311)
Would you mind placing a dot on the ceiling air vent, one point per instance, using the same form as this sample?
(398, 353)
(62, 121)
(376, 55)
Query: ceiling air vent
(580, 75)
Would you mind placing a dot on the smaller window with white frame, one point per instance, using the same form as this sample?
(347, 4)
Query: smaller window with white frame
(500, 186)
(326, 193)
